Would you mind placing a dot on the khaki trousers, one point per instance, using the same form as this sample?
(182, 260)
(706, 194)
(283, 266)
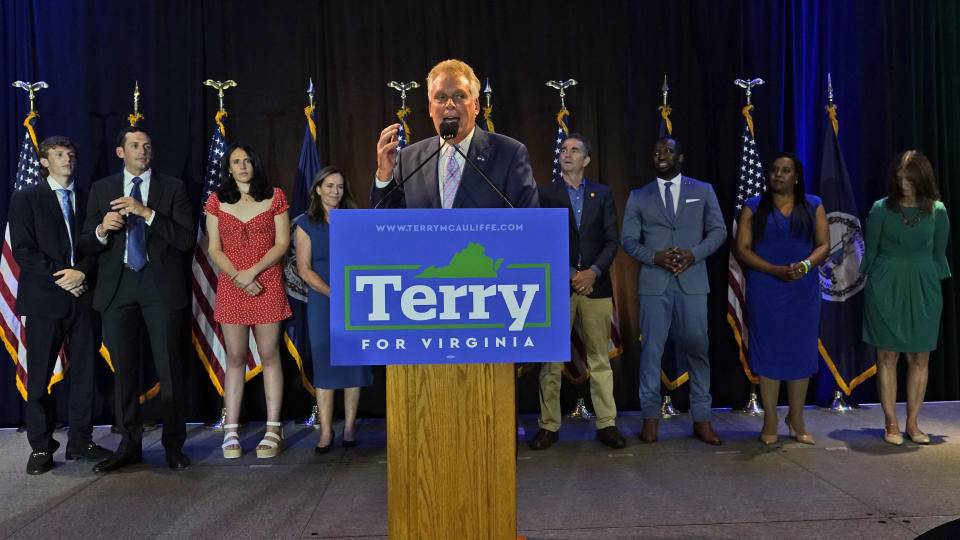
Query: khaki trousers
(595, 320)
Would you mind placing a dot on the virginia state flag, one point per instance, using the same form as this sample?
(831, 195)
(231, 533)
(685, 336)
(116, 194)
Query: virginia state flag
(296, 334)
(848, 359)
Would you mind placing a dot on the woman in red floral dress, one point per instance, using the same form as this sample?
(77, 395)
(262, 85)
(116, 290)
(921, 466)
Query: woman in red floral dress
(249, 230)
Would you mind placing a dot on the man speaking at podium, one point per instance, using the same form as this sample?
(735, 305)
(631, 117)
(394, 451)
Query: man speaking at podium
(459, 418)
(433, 174)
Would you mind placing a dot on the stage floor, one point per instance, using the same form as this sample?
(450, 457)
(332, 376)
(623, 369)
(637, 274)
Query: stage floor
(850, 485)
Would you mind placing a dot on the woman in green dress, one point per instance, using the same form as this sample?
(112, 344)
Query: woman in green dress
(905, 259)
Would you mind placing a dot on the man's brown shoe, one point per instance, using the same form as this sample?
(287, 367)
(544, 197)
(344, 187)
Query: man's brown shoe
(543, 439)
(649, 432)
(611, 437)
(704, 432)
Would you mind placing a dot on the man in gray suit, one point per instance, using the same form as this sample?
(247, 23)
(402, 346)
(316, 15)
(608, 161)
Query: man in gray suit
(671, 226)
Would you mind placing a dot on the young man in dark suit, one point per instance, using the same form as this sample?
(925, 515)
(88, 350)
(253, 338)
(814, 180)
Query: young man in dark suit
(593, 245)
(141, 224)
(54, 294)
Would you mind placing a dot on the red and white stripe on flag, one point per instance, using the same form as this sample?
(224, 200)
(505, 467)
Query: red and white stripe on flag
(750, 184)
(205, 332)
(12, 327)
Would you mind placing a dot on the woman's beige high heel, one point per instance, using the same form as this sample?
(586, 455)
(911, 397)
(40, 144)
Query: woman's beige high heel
(804, 438)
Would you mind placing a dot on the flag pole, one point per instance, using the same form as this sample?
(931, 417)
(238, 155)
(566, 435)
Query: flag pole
(313, 419)
(31, 89)
(838, 405)
(403, 111)
(220, 86)
(562, 130)
(580, 409)
(752, 406)
(136, 116)
(488, 109)
(667, 410)
(14, 341)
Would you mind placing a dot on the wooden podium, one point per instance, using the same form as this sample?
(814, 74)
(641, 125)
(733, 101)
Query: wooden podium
(451, 451)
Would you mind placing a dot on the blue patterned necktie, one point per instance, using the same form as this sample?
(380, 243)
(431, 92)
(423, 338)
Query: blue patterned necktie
(451, 178)
(136, 233)
(67, 207)
(668, 197)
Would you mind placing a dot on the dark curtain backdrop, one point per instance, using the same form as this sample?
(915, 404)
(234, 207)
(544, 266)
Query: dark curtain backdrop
(895, 68)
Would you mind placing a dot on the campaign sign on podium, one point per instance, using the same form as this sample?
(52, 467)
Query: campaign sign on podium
(449, 286)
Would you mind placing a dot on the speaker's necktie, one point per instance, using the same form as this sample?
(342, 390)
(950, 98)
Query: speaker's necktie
(451, 178)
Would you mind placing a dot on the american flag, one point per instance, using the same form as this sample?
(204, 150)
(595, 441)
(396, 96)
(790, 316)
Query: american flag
(403, 134)
(205, 332)
(13, 327)
(562, 131)
(577, 369)
(751, 184)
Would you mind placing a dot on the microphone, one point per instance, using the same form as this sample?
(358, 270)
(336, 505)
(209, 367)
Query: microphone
(448, 130)
(474, 166)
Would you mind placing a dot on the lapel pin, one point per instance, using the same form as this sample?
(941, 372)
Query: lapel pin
(481, 157)
(592, 194)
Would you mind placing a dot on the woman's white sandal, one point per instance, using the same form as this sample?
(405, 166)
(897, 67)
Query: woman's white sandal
(272, 440)
(231, 439)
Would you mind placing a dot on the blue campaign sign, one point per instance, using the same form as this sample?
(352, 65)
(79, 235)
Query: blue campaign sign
(449, 286)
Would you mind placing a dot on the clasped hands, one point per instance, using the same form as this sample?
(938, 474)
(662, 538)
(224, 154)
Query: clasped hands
(120, 208)
(246, 281)
(72, 281)
(792, 272)
(582, 282)
(674, 260)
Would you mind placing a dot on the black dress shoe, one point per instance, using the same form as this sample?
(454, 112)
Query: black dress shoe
(90, 452)
(41, 461)
(543, 439)
(611, 437)
(322, 449)
(118, 461)
(177, 460)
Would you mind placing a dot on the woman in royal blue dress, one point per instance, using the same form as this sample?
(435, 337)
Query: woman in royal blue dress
(328, 191)
(782, 237)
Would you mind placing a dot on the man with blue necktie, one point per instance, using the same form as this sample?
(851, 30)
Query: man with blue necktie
(54, 294)
(141, 224)
(671, 225)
